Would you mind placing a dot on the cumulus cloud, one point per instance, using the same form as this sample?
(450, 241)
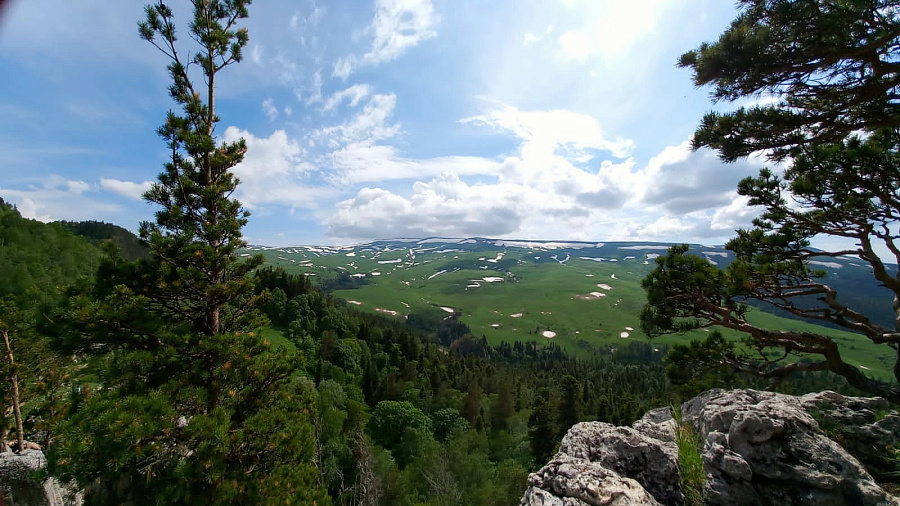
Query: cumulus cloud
(553, 187)
(274, 171)
(444, 206)
(59, 198)
(681, 181)
(546, 132)
(397, 26)
(126, 188)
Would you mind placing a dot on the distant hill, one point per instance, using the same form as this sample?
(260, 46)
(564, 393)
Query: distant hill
(575, 293)
(98, 231)
(40, 255)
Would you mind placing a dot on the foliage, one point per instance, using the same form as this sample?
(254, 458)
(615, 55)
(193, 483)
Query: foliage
(391, 418)
(192, 406)
(39, 255)
(837, 118)
(571, 410)
(98, 232)
(830, 67)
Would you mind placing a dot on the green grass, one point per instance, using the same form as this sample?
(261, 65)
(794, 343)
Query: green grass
(544, 293)
(690, 461)
(276, 339)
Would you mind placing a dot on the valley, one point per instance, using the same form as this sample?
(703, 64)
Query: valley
(577, 295)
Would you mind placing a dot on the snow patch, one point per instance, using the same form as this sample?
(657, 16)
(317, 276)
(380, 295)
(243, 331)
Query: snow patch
(830, 265)
(436, 274)
(645, 246)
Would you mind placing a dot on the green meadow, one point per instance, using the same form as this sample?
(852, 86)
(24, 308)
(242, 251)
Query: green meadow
(522, 294)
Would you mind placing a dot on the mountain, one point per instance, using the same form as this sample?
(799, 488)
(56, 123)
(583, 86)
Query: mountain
(577, 294)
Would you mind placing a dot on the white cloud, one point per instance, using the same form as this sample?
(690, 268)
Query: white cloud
(353, 95)
(531, 38)
(58, 198)
(547, 132)
(343, 67)
(268, 107)
(737, 214)
(369, 126)
(444, 206)
(397, 26)
(316, 95)
(126, 188)
(359, 163)
(274, 171)
(681, 181)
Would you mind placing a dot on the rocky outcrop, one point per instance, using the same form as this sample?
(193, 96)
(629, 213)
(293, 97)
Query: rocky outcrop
(19, 485)
(758, 448)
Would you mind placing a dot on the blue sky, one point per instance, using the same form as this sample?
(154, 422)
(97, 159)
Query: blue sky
(551, 119)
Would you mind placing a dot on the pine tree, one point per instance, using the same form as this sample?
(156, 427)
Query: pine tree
(571, 409)
(829, 68)
(194, 407)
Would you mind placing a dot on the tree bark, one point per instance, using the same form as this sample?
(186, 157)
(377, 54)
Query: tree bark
(20, 432)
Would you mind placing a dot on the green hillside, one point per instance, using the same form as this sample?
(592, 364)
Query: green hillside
(575, 295)
(40, 255)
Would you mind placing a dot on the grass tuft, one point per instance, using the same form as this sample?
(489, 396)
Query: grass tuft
(689, 460)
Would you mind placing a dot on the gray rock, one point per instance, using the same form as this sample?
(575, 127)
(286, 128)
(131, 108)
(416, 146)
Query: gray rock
(758, 448)
(862, 426)
(19, 486)
(658, 424)
(568, 480)
(651, 462)
(764, 448)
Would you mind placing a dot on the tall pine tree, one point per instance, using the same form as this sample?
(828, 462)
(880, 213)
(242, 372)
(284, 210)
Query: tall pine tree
(193, 405)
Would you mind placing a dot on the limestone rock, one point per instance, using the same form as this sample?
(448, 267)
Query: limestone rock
(570, 481)
(758, 448)
(17, 485)
(649, 461)
(657, 423)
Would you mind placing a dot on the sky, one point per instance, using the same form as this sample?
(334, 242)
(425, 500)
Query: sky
(377, 119)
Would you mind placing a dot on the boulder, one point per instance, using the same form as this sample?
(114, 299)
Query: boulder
(570, 481)
(757, 448)
(19, 486)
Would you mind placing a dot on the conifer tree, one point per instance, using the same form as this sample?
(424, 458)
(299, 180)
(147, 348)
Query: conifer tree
(830, 72)
(193, 406)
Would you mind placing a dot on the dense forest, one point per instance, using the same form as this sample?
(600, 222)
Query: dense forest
(398, 414)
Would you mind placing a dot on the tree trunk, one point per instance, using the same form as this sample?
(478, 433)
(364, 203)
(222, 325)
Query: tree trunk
(20, 432)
